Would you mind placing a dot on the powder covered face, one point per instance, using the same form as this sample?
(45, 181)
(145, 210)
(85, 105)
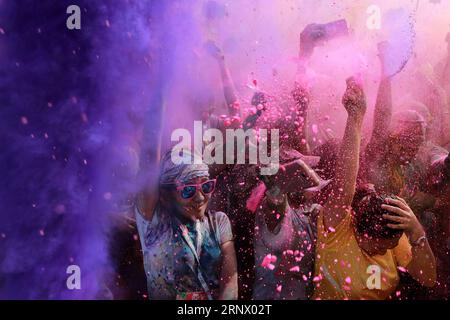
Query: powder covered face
(405, 145)
(193, 207)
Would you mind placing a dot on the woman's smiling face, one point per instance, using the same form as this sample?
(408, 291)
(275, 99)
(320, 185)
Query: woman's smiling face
(194, 207)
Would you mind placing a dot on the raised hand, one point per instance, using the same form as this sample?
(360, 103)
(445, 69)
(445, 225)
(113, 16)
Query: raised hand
(310, 37)
(300, 95)
(354, 99)
(405, 218)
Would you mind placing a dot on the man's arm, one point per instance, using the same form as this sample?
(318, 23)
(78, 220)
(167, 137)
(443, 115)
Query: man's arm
(227, 82)
(344, 184)
(308, 41)
(228, 273)
(231, 99)
(301, 98)
(383, 107)
(422, 266)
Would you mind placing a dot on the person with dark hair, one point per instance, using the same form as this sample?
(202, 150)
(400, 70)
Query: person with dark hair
(284, 237)
(350, 247)
(188, 249)
(369, 220)
(239, 181)
(395, 139)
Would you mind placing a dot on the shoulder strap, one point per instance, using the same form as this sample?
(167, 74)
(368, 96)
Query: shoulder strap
(199, 273)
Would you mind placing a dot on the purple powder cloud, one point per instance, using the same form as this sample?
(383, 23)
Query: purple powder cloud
(74, 103)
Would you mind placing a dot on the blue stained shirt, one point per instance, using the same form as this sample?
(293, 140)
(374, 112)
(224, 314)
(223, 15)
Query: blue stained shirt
(170, 264)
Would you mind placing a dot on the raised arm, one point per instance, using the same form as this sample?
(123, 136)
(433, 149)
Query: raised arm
(383, 107)
(422, 266)
(227, 82)
(301, 98)
(344, 183)
(228, 273)
(150, 156)
(300, 94)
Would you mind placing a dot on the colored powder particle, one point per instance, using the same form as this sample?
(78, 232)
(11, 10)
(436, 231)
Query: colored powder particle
(256, 197)
(348, 280)
(279, 288)
(401, 269)
(295, 269)
(268, 262)
(227, 122)
(315, 128)
(24, 120)
(236, 119)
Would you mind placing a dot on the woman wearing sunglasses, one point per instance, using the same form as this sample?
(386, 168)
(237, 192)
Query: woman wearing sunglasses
(188, 250)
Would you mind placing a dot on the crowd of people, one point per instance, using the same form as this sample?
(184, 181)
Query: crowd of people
(342, 220)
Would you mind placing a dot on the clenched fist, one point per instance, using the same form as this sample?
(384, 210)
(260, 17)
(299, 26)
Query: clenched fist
(354, 99)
